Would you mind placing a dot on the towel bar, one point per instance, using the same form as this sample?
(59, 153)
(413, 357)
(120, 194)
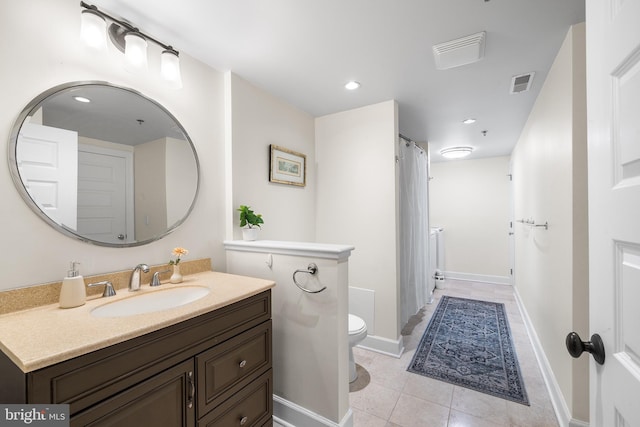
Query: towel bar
(311, 269)
(532, 223)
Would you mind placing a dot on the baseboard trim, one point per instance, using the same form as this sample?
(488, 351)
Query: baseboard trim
(560, 406)
(383, 345)
(289, 414)
(498, 280)
(578, 423)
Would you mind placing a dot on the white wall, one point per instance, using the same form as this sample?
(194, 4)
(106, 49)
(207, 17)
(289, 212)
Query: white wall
(181, 171)
(356, 201)
(470, 200)
(257, 120)
(310, 338)
(42, 48)
(549, 170)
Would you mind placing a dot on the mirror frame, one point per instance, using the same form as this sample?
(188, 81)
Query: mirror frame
(17, 180)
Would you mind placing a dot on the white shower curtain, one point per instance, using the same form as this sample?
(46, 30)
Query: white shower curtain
(414, 229)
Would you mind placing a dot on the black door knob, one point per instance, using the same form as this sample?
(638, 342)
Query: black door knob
(576, 346)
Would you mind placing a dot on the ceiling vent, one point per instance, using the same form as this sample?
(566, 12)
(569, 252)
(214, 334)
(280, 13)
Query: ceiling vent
(462, 51)
(521, 83)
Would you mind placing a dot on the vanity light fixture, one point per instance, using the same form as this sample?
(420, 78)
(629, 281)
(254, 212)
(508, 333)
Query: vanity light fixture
(128, 39)
(456, 152)
(352, 85)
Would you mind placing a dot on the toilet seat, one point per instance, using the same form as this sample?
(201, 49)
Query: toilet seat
(356, 325)
(357, 333)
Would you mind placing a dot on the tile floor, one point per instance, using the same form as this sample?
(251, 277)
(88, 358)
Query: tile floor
(386, 395)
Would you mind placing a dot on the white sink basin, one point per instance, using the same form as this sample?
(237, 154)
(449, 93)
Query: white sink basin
(150, 302)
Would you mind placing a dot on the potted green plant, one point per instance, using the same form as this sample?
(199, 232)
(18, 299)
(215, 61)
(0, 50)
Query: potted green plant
(250, 222)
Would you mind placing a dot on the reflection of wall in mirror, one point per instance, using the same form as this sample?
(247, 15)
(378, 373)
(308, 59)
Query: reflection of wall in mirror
(167, 161)
(150, 198)
(181, 176)
(36, 117)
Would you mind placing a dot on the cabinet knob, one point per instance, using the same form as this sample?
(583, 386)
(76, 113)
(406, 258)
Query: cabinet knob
(243, 420)
(243, 364)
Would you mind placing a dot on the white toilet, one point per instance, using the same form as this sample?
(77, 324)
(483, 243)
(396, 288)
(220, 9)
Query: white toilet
(357, 332)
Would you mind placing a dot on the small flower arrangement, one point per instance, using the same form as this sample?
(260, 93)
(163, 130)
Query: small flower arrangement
(178, 253)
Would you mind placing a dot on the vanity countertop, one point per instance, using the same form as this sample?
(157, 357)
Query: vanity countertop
(46, 335)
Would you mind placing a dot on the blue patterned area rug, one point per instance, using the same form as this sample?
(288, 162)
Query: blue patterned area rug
(468, 343)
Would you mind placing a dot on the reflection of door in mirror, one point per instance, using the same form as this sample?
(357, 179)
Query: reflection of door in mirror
(47, 161)
(105, 191)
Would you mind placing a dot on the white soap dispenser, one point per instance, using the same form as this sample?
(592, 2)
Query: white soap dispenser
(73, 292)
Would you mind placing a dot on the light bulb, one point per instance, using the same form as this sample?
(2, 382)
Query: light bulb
(135, 51)
(170, 68)
(93, 29)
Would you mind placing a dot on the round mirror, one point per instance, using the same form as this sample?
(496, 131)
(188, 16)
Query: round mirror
(104, 164)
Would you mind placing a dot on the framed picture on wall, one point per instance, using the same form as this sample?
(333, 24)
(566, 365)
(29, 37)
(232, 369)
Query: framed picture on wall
(287, 166)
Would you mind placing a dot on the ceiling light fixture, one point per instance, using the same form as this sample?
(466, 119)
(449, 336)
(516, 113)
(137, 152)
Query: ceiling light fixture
(82, 99)
(128, 39)
(468, 121)
(352, 85)
(456, 152)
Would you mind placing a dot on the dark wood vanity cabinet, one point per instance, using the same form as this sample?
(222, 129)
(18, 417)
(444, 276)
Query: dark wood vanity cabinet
(212, 370)
(162, 400)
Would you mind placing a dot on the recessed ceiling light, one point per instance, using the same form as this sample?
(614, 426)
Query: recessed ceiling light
(352, 85)
(468, 121)
(81, 99)
(456, 152)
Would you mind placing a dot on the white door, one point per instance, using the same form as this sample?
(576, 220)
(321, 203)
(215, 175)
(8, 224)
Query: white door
(48, 164)
(613, 105)
(104, 194)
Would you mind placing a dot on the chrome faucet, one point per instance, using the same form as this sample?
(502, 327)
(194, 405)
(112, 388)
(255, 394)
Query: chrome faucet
(134, 283)
(108, 288)
(155, 280)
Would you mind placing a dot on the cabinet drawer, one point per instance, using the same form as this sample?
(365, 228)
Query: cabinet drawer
(89, 379)
(162, 401)
(250, 407)
(228, 367)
